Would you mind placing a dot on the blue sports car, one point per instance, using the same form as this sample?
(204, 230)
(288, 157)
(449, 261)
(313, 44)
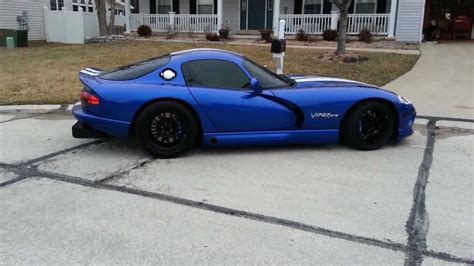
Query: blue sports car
(175, 102)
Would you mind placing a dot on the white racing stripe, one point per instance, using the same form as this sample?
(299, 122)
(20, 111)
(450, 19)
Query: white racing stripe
(90, 72)
(327, 79)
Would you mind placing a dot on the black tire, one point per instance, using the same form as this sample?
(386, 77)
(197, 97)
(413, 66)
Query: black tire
(369, 126)
(167, 129)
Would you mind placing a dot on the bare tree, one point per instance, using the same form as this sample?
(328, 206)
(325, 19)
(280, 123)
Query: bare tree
(110, 28)
(343, 6)
(101, 16)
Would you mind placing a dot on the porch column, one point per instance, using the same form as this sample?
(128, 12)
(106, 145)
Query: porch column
(220, 20)
(334, 19)
(127, 16)
(392, 19)
(276, 16)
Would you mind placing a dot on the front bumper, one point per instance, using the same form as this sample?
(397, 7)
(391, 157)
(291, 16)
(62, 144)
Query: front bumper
(406, 120)
(90, 125)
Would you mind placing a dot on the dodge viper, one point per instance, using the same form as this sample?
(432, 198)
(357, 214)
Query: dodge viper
(177, 101)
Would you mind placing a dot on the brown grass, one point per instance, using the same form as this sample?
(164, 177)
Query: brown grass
(47, 73)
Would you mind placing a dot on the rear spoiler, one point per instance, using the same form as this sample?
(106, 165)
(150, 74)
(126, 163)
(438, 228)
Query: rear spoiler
(91, 71)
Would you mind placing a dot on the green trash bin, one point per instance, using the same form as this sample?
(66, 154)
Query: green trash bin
(20, 37)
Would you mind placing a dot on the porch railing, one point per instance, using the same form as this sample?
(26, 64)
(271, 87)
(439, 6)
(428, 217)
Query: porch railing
(378, 24)
(177, 22)
(310, 23)
(195, 23)
(157, 22)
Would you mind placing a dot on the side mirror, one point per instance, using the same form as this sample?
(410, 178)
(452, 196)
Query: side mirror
(255, 85)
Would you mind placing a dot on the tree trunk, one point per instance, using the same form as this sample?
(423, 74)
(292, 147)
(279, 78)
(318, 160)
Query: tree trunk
(343, 6)
(341, 40)
(101, 16)
(112, 17)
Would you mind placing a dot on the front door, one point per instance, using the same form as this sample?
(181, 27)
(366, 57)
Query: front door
(256, 14)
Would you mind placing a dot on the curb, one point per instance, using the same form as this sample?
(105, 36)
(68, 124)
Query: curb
(35, 109)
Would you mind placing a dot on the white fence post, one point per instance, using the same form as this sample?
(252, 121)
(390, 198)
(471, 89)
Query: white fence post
(171, 14)
(127, 17)
(334, 19)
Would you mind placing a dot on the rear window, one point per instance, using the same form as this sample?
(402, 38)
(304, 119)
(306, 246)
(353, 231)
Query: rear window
(136, 70)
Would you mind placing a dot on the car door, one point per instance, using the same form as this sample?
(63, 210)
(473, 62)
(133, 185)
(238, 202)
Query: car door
(221, 88)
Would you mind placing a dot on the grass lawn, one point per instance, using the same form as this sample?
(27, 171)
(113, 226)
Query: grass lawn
(47, 73)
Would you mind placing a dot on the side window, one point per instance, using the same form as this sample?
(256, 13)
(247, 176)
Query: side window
(214, 73)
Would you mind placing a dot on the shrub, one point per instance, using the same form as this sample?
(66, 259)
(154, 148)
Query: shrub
(302, 36)
(213, 37)
(330, 35)
(365, 36)
(266, 35)
(144, 30)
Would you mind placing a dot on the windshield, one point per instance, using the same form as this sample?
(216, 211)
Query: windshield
(136, 70)
(267, 78)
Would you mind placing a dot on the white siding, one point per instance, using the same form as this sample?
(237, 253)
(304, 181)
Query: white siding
(9, 9)
(231, 14)
(409, 20)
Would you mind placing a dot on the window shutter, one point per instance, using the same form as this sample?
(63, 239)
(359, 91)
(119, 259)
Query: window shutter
(192, 6)
(327, 5)
(381, 6)
(215, 7)
(176, 6)
(298, 9)
(153, 6)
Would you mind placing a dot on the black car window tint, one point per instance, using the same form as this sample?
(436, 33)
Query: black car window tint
(215, 74)
(136, 70)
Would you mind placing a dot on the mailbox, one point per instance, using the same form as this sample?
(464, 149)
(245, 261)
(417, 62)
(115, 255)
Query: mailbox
(278, 46)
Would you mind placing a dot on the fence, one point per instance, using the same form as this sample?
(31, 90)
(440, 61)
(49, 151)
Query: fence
(179, 22)
(378, 24)
(68, 26)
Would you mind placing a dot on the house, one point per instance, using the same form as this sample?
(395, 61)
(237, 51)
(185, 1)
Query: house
(398, 19)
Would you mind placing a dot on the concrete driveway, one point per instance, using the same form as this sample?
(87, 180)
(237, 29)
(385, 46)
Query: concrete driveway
(442, 81)
(65, 200)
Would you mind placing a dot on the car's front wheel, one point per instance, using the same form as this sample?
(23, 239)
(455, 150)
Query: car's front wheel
(369, 126)
(167, 129)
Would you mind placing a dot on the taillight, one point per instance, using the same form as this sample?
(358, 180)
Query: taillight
(87, 97)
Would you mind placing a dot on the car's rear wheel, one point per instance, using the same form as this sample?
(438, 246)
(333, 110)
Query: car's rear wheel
(167, 129)
(368, 126)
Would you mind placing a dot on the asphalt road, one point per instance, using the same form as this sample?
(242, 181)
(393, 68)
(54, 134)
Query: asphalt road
(65, 200)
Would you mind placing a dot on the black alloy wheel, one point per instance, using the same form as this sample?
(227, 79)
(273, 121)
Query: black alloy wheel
(369, 126)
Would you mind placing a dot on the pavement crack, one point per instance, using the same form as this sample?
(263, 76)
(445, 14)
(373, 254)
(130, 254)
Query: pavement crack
(120, 174)
(417, 224)
(54, 154)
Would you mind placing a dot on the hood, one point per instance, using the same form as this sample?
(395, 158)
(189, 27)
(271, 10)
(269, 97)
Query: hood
(323, 81)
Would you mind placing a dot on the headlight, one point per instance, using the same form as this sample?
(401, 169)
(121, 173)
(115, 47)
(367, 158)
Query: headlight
(403, 100)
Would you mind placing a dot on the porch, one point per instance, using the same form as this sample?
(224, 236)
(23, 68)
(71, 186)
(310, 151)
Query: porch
(242, 16)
